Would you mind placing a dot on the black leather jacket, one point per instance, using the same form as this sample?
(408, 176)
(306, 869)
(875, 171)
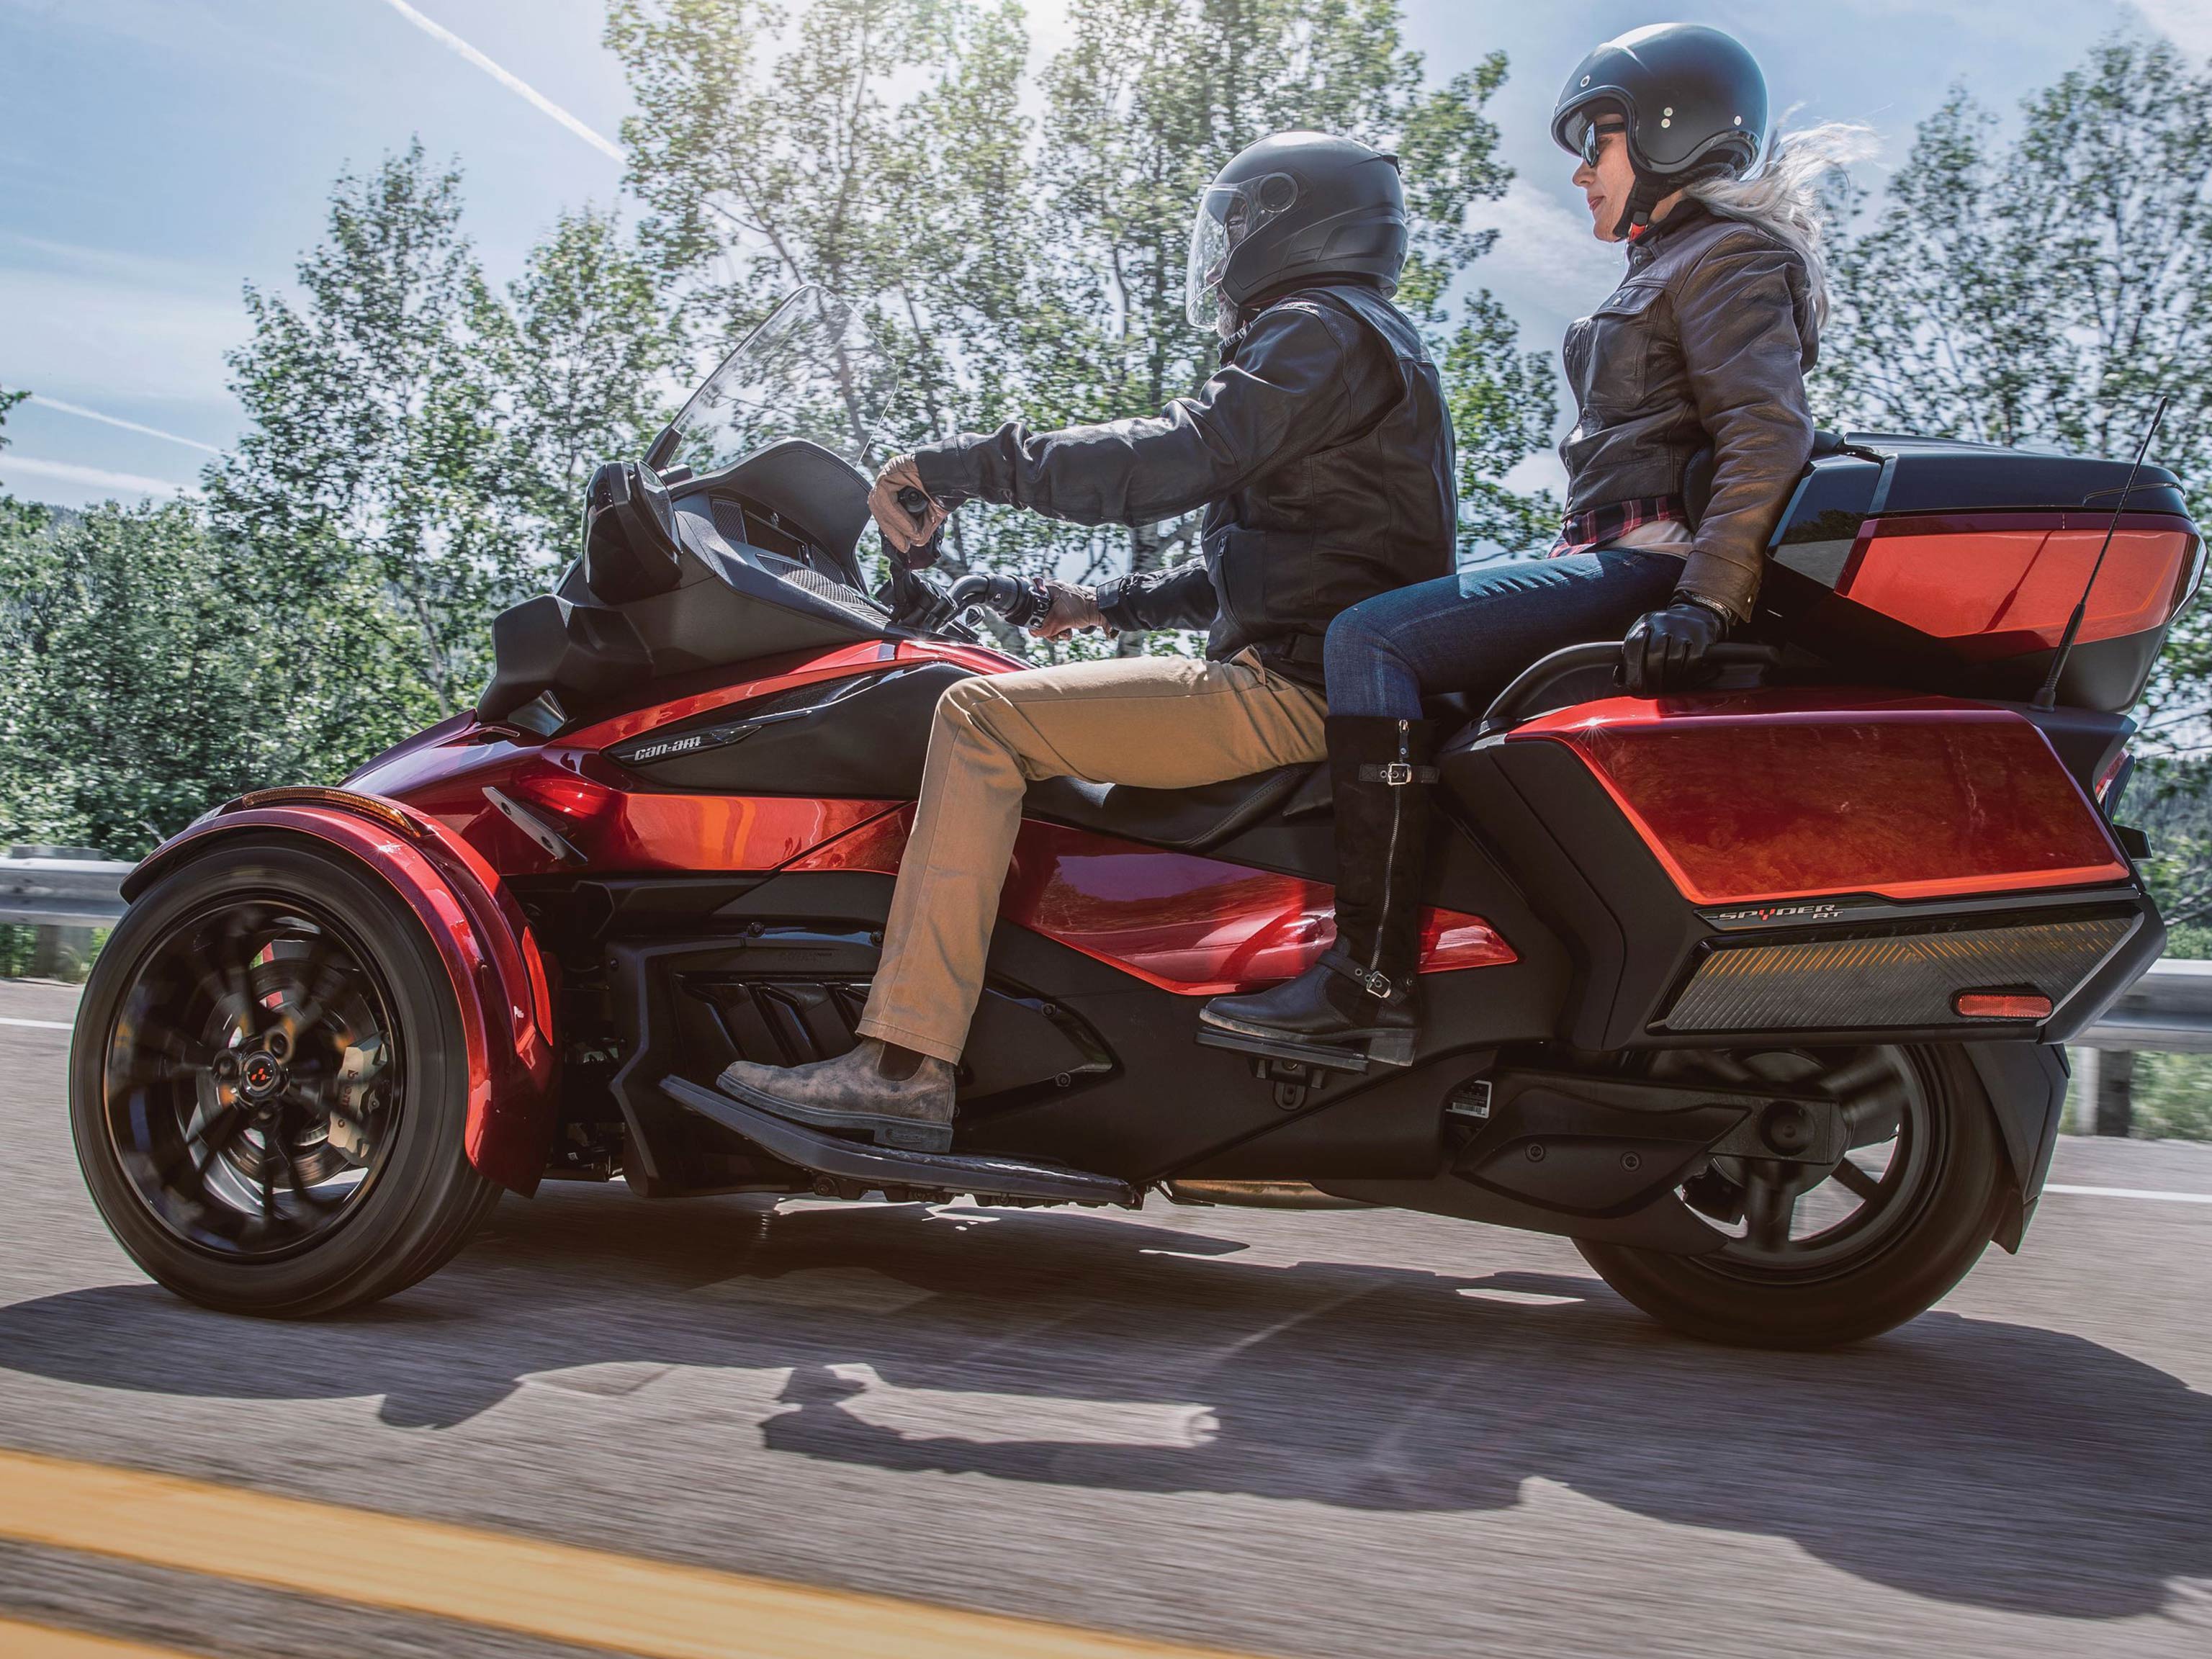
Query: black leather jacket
(1320, 450)
(1707, 338)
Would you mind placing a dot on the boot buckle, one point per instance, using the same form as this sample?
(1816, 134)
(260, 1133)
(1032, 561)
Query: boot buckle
(1398, 773)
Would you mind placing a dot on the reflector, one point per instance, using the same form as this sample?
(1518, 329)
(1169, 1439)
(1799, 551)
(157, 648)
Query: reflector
(2001, 1004)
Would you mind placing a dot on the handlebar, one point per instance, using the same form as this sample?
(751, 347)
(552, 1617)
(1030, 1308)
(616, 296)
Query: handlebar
(1019, 601)
(1506, 708)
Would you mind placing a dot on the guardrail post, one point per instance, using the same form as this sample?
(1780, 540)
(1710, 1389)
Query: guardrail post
(2080, 1117)
(60, 952)
(2115, 1097)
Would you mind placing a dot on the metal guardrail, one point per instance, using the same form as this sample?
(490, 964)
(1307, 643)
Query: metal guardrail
(62, 892)
(2169, 1010)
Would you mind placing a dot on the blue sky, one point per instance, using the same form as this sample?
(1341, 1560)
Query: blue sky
(154, 154)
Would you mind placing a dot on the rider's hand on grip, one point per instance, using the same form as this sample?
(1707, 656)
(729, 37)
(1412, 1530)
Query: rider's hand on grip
(1665, 650)
(1073, 606)
(910, 518)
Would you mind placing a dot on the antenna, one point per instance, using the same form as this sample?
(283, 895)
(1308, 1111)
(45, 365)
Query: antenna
(2046, 695)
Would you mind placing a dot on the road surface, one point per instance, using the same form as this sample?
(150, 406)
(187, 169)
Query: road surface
(1203, 1430)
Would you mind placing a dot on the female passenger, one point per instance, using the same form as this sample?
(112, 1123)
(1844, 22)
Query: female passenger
(1704, 343)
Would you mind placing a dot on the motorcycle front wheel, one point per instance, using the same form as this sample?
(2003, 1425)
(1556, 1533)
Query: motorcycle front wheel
(1812, 1259)
(269, 1084)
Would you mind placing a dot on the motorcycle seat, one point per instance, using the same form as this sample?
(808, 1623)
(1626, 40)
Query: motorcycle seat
(1183, 820)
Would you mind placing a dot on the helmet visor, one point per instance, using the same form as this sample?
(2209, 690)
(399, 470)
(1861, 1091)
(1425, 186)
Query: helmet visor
(1227, 213)
(1583, 131)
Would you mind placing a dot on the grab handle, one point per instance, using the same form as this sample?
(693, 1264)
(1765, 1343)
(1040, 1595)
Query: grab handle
(1507, 707)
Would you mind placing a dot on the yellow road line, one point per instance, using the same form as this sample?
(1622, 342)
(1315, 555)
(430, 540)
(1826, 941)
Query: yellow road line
(21, 1641)
(557, 1592)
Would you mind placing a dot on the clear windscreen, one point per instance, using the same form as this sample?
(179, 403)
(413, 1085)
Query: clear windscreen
(813, 370)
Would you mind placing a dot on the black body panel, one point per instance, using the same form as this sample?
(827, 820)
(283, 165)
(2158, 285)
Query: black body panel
(864, 737)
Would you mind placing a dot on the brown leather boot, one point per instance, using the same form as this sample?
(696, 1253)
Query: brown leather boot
(896, 1096)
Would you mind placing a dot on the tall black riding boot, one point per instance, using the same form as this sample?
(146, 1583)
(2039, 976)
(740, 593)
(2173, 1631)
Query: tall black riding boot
(1366, 989)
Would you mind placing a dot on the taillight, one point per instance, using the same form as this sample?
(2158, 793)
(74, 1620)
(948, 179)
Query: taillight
(2010, 580)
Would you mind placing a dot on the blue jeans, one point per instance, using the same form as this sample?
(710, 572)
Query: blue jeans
(1474, 632)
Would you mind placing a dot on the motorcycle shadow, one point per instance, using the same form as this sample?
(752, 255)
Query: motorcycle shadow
(1971, 1461)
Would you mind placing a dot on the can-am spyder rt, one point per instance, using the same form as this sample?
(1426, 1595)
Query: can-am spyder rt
(1755, 993)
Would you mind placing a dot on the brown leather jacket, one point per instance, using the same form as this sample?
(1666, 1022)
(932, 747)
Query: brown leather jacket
(1707, 339)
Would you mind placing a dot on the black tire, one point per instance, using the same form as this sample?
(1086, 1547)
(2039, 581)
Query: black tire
(141, 1105)
(1937, 1232)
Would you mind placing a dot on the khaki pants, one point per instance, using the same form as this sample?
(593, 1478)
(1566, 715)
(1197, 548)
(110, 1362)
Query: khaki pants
(1154, 722)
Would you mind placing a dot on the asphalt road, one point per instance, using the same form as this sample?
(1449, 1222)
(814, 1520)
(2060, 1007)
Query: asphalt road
(1336, 1434)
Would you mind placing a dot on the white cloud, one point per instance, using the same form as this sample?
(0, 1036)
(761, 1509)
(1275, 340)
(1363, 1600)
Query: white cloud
(514, 83)
(90, 479)
(2187, 23)
(107, 340)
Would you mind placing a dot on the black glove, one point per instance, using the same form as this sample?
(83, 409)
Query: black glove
(1665, 650)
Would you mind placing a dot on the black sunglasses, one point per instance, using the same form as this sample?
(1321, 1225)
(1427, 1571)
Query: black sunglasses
(1595, 133)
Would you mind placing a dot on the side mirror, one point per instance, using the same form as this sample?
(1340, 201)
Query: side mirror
(629, 535)
(664, 447)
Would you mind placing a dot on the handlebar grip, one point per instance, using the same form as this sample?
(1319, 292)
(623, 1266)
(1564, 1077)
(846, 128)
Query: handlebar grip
(1020, 603)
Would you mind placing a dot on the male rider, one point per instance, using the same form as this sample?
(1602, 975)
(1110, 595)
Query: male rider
(1321, 453)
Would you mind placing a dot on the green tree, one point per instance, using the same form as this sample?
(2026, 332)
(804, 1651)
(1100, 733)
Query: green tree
(583, 368)
(1046, 279)
(378, 432)
(2048, 288)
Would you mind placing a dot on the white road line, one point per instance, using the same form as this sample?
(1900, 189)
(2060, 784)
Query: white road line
(2132, 1191)
(39, 1025)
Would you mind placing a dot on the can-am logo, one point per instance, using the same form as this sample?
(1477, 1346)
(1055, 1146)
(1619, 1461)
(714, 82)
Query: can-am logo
(653, 751)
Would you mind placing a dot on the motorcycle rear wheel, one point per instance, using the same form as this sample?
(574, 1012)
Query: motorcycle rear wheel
(1908, 1233)
(269, 1086)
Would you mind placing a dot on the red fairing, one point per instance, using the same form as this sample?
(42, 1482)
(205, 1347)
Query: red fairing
(597, 808)
(499, 979)
(1197, 927)
(2004, 584)
(1782, 794)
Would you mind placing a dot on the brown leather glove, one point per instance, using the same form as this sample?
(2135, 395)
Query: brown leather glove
(1073, 607)
(898, 525)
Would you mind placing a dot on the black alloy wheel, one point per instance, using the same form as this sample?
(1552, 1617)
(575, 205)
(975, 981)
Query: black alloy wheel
(1815, 1257)
(269, 1084)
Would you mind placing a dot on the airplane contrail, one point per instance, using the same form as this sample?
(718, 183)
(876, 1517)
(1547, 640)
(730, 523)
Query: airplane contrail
(513, 84)
(93, 477)
(84, 414)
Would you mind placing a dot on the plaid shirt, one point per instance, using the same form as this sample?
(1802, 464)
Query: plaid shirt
(1597, 525)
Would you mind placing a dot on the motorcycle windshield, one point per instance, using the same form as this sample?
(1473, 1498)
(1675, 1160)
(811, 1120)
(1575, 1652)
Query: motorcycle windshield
(813, 370)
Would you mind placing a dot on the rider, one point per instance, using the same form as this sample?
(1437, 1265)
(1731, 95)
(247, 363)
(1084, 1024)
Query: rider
(1704, 343)
(1322, 452)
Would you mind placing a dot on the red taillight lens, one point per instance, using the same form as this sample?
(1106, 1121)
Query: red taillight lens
(2001, 1004)
(2008, 582)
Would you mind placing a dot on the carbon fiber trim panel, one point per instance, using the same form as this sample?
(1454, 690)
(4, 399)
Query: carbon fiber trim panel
(1901, 979)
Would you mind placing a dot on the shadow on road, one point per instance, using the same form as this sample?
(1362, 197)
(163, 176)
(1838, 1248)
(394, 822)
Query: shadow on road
(1971, 1461)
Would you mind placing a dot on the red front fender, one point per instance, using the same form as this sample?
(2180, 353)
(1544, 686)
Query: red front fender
(498, 976)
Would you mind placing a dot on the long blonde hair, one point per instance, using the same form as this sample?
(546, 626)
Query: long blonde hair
(1788, 197)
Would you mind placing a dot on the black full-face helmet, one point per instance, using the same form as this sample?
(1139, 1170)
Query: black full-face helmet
(1295, 206)
(1692, 99)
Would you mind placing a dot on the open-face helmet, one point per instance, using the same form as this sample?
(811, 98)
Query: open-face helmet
(1693, 101)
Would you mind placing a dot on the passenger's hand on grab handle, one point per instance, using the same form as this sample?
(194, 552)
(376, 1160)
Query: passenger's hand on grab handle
(903, 529)
(1665, 650)
(1073, 607)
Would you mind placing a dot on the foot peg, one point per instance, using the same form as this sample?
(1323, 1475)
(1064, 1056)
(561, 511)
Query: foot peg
(878, 1166)
(1397, 1049)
